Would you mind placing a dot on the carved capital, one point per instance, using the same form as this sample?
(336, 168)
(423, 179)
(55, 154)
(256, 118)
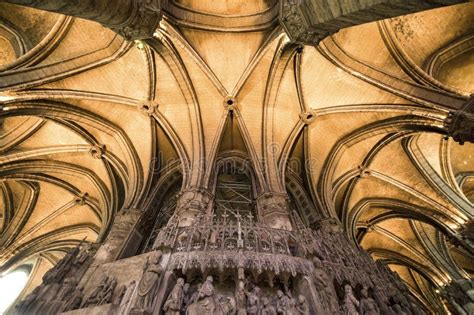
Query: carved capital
(296, 25)
(133, 19)
(144, 19)
(192, 205)
(274, 210)
(310, 21)
(460, 124)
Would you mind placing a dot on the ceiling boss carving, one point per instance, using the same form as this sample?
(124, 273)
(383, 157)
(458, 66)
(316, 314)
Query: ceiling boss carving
(237, 157)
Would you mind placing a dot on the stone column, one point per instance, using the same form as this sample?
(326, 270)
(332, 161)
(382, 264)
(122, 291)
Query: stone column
(192, 203)
(274, 211)
(122, 238)
(133, 19)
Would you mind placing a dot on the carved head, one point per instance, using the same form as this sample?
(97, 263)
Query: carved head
(210, 279)
(265, 301)
(156, 258)
(317, 262)
(180, 281)
(348, 289)
(364, 292)
(301, 299)
(279, 293)
(186, 287)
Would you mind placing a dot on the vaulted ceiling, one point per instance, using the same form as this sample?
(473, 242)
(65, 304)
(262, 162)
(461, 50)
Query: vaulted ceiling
(90, 123)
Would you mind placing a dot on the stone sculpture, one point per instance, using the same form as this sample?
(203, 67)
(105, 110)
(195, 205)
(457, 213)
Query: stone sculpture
(103, 293)
(241, 299)
(283, 303)
(174, 302)
(186, 297)
(148, 284)
(368, 306)
(267, 307)
(75, 300)
(326, 292)
(253, 301)
(302, 306)
(205, 303)
(126, 298)
(351, 304)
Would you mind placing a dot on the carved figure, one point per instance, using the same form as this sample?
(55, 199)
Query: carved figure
(397, 309)
(292, 308)
(225, 305)
(194, 296)
(23, 306)
(186, 297)
(175, 299)
(103, 293)
(302, 306)
(283, 303)
(205, 303)
(253, 301)
(267, 308)
(148, 284)
(118, 297)
(351, 304)
(415, 308)
(67, 289)
(127, 296)
(75, 300)
(327, 294)
(108, 292)
(241, 299)
(368, 306)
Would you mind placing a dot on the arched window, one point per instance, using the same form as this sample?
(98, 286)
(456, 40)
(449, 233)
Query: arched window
(234, 193)
(11, 286)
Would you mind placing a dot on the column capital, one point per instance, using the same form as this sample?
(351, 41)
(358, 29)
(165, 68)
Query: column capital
(191, 204)
(310, 21)
(460, 123)
(274, 210)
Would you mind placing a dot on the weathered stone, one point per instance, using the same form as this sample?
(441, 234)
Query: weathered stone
(310, 21)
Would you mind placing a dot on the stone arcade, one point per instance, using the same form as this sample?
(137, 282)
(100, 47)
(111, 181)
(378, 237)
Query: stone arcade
(238, 157)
